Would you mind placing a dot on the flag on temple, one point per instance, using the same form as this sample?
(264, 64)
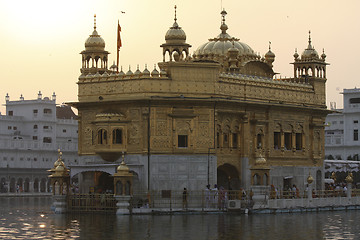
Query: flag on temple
(118, 46)
(118, 37)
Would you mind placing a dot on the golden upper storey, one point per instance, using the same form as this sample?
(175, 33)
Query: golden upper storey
(222, 69)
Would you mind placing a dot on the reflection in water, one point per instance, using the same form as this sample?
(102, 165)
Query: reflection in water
(31, 218)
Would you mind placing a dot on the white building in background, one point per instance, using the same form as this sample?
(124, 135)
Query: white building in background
(31, 133)
(342, 144)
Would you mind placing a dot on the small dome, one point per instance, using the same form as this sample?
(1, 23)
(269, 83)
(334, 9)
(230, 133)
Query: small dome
(60, 167)
(175, 33)
(296, 55)
(309, 52)
(121, 73)
(82, 76)
(155, 73)
(129, 73)
(260, 160)
(123, 168)
(89, 76)
(146, 72)
(349, 178)
(270, 54)
(113, 67)
(323, 55)
(95, 41)
(137, 72)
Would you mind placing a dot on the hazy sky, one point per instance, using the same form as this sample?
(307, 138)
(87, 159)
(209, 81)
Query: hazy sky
(41, 39)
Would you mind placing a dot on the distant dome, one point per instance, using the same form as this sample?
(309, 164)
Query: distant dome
(309, 52)
(270, 54)
(175, 33)
(94, 41)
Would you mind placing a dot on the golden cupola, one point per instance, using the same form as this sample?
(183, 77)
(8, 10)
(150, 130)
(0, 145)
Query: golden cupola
(175, 43)
(94, 57)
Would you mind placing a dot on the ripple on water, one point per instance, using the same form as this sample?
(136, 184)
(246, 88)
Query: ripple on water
(35, 221)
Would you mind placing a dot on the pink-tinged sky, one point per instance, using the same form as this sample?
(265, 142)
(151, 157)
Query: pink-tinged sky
(41, 39)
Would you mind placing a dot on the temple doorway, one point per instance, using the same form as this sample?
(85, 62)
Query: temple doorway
(92, 182)
(228, 177)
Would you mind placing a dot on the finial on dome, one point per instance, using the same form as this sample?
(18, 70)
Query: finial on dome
(309, 40)
(323, 55)
(269, 46)
(175, 13)
(94, 21)
(223, 14)
(223, 26)
(296, 55)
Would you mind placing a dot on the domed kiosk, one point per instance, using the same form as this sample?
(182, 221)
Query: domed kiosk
(175, 44)
(94, 57)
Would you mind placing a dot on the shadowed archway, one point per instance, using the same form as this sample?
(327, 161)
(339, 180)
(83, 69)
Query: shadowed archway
(228, 177)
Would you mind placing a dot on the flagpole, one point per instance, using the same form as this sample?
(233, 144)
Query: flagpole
(118, 47)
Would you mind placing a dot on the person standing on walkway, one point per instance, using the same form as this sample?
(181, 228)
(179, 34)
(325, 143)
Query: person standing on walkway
(215, 195)
(207, 196)
(185, 199)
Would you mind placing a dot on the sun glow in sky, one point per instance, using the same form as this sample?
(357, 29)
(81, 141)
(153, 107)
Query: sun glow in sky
(41, 39)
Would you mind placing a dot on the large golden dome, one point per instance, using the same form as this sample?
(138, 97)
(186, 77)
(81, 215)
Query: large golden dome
(219, 46)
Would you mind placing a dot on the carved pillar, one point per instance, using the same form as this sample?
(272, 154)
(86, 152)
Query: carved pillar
(293, 141)
(282, 140)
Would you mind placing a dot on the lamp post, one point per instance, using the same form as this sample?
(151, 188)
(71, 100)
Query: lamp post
(123, 187)
(349, 179)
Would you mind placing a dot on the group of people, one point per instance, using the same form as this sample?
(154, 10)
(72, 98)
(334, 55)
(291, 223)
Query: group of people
(336, 190)
(288, 192)
(216, 197)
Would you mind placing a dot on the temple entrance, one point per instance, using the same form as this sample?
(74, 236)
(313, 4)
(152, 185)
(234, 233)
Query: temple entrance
(228, 177)
(92, 182)
(105, 183)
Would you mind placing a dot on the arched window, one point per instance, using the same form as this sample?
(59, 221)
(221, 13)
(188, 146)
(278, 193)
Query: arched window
(102, 136)
(256, 179)
(127, 188)
(298, 141)
(288, 140)
(117, 136)
(35, 126)
(259, 141)
(119, 188)
(265, 179)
